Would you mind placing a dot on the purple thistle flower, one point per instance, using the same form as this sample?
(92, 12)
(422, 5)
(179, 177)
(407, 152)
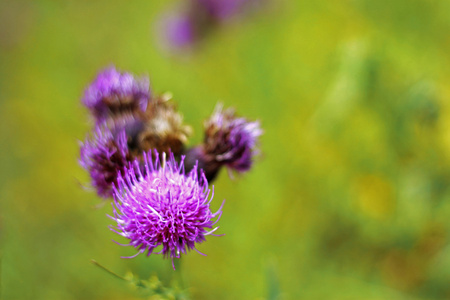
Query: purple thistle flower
(113, 92)
(232, 139)
(185, 26)
(104, 156)
(163, 206)
(229, 141)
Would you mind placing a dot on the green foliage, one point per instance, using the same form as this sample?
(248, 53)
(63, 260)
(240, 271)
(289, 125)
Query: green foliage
(349, 200)
(152, 287)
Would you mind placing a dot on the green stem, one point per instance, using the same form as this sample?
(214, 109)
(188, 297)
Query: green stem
(178, 275)
(108, 270)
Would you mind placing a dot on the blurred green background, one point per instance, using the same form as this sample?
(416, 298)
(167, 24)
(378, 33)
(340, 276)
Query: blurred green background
(349, 200)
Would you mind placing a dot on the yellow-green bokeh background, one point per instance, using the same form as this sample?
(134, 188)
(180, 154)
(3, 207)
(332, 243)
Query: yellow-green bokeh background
(349, 200)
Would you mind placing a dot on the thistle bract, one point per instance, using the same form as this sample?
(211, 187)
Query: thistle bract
(163, 206)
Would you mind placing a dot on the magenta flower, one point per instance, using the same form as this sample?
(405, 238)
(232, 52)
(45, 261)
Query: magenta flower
(113, 92)
(163, 206)
(104, 156)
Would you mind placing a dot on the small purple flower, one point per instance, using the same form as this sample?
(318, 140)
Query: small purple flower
(113, 92)
(162, 206)
(179, 30)
(229, 141)
(104, 156)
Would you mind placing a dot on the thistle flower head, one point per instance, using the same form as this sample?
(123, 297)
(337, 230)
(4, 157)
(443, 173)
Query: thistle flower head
(163, 206)
(231, 140)
(113, 92)
(104, 156)
(164, 129)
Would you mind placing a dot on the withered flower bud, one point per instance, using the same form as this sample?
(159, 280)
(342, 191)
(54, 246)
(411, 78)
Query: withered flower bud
(163, 127)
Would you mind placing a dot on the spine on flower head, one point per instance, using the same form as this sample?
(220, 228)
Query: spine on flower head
(105, 156)
(163, 207)
(229, 141)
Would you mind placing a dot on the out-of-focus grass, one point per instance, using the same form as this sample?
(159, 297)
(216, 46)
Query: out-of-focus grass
(350, 199)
